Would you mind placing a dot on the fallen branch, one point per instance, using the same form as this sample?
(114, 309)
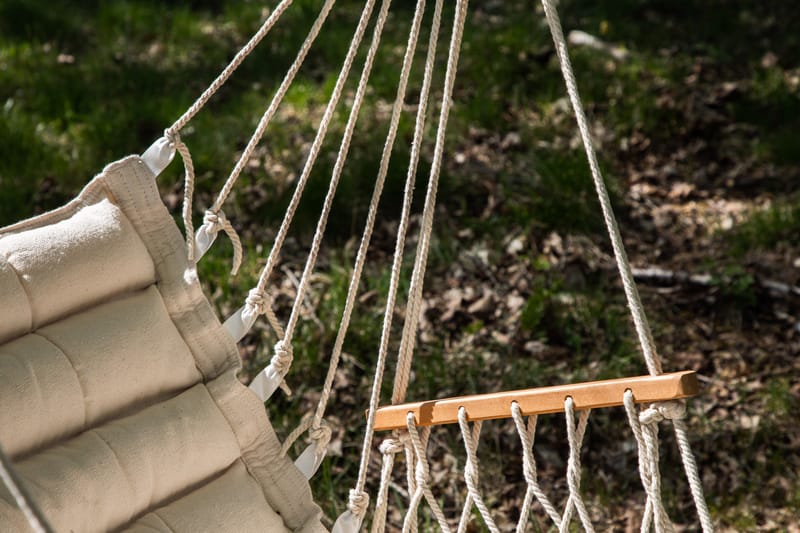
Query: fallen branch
(662, 276)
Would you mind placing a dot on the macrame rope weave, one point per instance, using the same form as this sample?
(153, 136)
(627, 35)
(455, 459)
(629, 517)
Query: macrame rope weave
(527, 435)
(471, 467)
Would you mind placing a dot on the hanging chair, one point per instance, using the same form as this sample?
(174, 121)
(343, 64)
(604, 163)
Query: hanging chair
(120, 409)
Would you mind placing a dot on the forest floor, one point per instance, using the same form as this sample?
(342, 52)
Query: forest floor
(695, 110)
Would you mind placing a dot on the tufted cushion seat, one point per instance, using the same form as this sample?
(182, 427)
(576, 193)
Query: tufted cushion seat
(119, 400)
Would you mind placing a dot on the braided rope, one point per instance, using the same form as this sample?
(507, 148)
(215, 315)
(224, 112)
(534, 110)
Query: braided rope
(269, 113)
(575, 437)
(230, 68)
(640, 322)
(422, 478)
(527, 435)
(471, 469)
(361, 254)
(394, 280)
(414, 304)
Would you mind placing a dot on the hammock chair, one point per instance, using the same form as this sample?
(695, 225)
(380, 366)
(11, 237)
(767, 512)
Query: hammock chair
(119, 402)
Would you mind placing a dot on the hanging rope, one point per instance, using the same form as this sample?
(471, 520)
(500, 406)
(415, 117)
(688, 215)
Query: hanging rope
(394, 280)
(422, 480)
(645, 430)
(223, 76)
(172, 133)
(413, 306)
(361, 255)
(266, 118)
(640, 322)
(316, 421)
(575, 437)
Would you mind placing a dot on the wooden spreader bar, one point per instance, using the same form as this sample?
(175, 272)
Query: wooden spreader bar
(539, 401)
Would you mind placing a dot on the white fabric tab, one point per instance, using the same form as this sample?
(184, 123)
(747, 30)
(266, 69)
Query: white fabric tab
(266, 383)
(240, 322)
(309, 461)
(346, 523)
(203, 240)
(159, 155)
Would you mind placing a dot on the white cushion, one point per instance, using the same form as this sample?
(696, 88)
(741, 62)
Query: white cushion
(119, 400)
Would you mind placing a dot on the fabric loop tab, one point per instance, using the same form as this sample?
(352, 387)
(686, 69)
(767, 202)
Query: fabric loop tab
(159, 155)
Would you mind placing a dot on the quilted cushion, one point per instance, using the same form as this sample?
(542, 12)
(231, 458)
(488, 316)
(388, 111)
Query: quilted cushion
(119, 401)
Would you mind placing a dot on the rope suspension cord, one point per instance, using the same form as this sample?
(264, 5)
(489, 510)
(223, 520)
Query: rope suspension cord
(471, 475)
(407, 341)
(322, 130)
(641, 324)
(419, 442)
(341, 157)
(321, 434)
(361, 255)
(172, 133)
(399, 245)
(281, 361)
(33, 515)
(414, 451)
(263, 123)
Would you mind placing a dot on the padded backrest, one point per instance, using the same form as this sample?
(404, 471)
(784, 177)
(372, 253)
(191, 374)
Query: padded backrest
(119, 400)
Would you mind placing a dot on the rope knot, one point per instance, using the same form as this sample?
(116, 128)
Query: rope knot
(283, 357)
(257, 300)
(214, 221)
(358, 502)
(673, 410)
(394, 444)
(320, 434)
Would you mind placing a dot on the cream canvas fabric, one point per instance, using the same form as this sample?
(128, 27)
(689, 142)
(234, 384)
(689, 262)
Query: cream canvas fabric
(119, 401)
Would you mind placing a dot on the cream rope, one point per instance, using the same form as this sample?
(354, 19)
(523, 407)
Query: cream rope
(175, 140)
(389, 448)
(223, 76)
(527, 435)
(640, 322)
(380, 365)
(264, 122)
(33, 515)
(316, 145)
(689, 465)
(646, 435)
(422, 479)
(311, 159)
(173, 132)
(575, 438)
(361, 255)
(471, 474)
(341, 157)
(214, 221)
(417, 278)
(323, 219)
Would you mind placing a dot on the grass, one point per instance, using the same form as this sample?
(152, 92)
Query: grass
(81, 84)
